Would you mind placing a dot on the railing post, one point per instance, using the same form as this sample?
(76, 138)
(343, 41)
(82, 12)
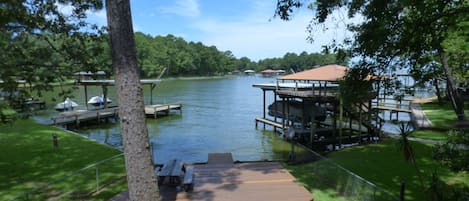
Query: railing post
(97, 179)
(401, 195)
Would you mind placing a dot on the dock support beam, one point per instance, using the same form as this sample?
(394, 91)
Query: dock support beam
(263, 91)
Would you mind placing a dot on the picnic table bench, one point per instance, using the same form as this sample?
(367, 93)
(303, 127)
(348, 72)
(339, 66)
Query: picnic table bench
(176, 172)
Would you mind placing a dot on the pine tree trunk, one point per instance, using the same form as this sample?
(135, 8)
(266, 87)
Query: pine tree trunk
(456, 99)
(141, 179)
(438, 93)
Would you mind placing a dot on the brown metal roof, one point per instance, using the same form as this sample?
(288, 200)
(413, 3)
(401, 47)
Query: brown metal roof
(330, 73)
(268, 71)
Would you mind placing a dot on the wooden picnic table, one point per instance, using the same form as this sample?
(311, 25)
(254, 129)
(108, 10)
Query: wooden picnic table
(174, 170)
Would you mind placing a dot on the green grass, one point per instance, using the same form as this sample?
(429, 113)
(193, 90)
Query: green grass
(382, 164)
(29, 160)
(429, 134)
(441, 116)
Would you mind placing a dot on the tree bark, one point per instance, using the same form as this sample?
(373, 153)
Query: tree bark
(438, 93)
(456, 99)
(141, 179)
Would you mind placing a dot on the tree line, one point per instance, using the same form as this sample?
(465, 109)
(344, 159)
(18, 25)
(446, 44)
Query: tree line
(182, 58)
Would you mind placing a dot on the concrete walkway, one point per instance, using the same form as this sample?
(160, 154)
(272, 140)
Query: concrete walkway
(418, 117)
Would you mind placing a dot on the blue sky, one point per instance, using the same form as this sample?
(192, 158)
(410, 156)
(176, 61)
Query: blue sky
(245, 27)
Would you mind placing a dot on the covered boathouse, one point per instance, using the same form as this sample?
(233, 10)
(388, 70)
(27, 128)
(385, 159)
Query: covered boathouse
(307, 108)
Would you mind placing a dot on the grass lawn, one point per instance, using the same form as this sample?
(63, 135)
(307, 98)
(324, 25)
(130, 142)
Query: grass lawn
(381, 164)
(28, 161)
(441, 116)
(429, 134)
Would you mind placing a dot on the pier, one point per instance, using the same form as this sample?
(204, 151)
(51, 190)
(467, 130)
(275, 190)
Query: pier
(79, 116)
(154, 110)
(85, 116)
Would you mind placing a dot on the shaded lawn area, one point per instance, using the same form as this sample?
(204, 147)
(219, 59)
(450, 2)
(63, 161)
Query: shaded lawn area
(381, 164)
(29, 160)
(442, 116)
(430, 134)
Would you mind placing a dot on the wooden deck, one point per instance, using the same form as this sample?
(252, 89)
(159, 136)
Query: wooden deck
(392, 109)
(79, 116)
(223, 180)
(270, 122)
(155, 110)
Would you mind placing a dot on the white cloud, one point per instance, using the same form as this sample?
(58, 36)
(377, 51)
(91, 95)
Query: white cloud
(65, 9)
(256, 37)
(185, 8)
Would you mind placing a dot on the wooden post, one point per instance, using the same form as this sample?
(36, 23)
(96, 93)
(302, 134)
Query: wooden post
(341, 116)
(86, 97)
(313, 125)
(275, 106)
(263, 92)
(402, 192)
(105, 96)
(283, 115)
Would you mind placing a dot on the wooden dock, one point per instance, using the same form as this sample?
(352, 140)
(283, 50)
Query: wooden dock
(80, 116)
(392, 109)
(270, 122)
(165, 109)
(221, 179)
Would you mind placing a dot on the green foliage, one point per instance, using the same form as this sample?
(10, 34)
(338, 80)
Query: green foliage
(400, 33)
(42, 45)
(356, 86)
(454, 152)
(183, 58)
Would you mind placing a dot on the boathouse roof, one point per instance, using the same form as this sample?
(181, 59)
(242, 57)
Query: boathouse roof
(331, 73)
(267, 71)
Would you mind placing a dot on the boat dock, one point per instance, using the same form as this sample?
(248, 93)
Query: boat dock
(270, 122)
(223, 179)
(81, 116)
(155, 110)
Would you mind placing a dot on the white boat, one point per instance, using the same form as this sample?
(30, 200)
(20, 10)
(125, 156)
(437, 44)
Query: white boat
(67, 105)
(98, 100)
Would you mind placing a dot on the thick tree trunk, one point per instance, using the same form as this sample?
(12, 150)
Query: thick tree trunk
(438, 92)
(141, 179)
(456, 99)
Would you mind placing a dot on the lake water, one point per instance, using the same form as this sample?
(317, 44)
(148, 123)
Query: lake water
(217, 116)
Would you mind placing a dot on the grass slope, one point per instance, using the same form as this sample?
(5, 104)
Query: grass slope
(382, 164)
(28, 160)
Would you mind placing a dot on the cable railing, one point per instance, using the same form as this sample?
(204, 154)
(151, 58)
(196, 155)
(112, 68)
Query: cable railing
(345, 183)
(82, 184)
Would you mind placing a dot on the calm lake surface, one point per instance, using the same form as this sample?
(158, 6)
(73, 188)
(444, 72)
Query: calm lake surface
(217, 116)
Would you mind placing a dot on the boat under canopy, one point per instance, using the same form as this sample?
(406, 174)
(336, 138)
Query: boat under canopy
(98, 100)
(67, 105)
(298, 111)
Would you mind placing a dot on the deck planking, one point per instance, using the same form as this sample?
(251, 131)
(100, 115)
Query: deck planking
(155, 110)
(80, 116)
(222, 180)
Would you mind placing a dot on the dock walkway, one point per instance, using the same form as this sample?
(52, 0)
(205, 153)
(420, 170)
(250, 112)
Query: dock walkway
(80, 116)
(221, 179)
(154, 110)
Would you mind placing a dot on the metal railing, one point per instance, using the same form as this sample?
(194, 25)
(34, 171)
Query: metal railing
(81, 184)
(348, 185)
